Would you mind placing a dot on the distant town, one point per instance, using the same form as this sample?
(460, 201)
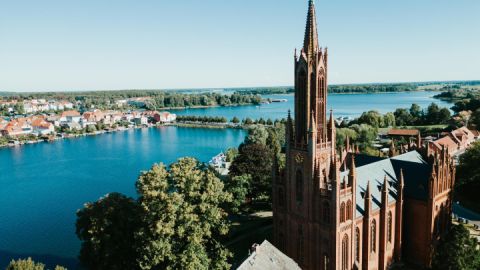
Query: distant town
(40, 119)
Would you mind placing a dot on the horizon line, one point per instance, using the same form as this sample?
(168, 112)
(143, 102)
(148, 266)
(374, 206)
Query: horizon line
(237, 87)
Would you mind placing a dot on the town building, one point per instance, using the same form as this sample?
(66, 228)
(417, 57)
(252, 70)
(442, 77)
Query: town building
(337, 209)
(456, 141)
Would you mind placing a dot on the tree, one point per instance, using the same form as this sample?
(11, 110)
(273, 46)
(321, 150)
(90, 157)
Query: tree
(257, 135)
(248, 121)
(183, 218)
(230, 154)
(91, 129)
(106, 229)
(29, 264)
(239, 187)
(416, 113)
(389, 119)
(25, 264)
(255, 160)
(476, 118)
(468, 171)
(372, 118)
(402, 117)
(235, 120)
(416, 110)
(444, 116)
(19, 108)
(343, 133)
(457, 250)
(432, 114)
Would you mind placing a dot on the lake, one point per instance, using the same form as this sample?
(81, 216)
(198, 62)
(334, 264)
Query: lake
(347, 105)
(43, 185)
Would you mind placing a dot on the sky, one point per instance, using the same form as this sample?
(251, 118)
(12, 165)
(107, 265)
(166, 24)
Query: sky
(164, 44)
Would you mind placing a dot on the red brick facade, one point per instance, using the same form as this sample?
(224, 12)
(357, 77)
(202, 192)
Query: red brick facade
(338, 210)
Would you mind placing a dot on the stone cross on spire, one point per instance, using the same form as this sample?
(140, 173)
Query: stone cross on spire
(310, 43)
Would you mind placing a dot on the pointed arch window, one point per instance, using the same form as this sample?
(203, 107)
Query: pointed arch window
(345, 252)
(326, 212)
(349, 210)
(342, 212)
(389, 227)
(326, 262)
(373, 236)
(357, 244)
(299, 186)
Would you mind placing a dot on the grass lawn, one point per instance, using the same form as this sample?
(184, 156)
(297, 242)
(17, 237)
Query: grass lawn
(421, 128)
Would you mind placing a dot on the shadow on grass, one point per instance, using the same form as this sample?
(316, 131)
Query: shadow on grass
(244, 232)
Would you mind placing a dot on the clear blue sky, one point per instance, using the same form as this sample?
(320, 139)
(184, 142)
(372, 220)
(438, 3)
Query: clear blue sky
(119, 44)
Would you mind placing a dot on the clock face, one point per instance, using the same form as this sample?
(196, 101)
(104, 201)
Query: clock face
(299, 158)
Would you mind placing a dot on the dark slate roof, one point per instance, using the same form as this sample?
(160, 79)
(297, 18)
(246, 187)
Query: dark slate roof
(416, 173)
(268, 257)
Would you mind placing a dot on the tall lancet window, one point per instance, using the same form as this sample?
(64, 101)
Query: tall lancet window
(326, 212)
(349, 210)
(342, 212)
(299, 186)
(373, 236)
(301, 110)
(345, 253)
(357, 244)
(389, 227)
(300, 244)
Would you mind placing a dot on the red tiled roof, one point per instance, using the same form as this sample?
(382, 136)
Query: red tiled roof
(403, 132)
(70, 113)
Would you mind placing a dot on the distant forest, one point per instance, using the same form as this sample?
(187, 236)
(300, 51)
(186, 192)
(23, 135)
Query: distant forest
(158, 99)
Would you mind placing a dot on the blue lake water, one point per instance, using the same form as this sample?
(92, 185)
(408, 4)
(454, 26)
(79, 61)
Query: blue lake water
(350, 105)
(43, 185)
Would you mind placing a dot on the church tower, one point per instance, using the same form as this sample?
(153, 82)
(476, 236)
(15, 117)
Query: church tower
(308, 191)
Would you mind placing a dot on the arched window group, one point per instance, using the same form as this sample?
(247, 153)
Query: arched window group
(373, 236)
(389, 227)
(345, 252)
(299, 186)
(346, 212)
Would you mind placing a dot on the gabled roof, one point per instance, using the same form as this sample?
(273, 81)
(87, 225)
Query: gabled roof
(267, 257)
(416, 173)
(403, 132)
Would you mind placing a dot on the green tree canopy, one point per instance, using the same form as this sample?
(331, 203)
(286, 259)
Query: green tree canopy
(457, 250)
(239, 187)
(183, 218)
(403, 117)
(372, 118)
(106, 229)
(468, 170)
(255, 160)
(257, 135)
(29, 264)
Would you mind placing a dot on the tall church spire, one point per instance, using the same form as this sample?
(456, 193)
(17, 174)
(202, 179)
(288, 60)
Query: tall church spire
(310, 43)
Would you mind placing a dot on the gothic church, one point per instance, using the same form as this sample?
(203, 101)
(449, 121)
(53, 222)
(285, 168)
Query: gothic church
(337, 209)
